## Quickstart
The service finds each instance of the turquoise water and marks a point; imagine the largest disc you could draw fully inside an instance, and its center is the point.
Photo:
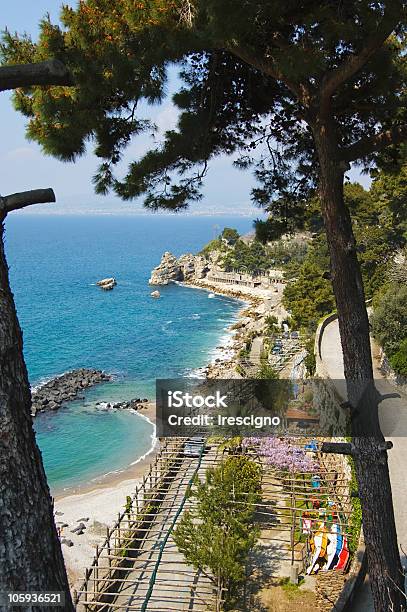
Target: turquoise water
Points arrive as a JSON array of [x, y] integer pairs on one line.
[[68, 322]]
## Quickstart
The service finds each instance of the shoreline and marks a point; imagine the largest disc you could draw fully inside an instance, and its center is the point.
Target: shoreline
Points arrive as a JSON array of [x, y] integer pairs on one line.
[[228, 351], [147, 412], [96, 505], [117, 476], [259, 303], [100, 500]]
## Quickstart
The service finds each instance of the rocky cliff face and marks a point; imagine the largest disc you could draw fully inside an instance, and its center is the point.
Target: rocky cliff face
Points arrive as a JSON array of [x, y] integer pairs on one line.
[[186, 268], [168, 271]]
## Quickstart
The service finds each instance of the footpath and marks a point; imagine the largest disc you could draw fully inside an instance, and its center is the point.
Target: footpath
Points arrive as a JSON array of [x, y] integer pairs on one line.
[[393, 418]]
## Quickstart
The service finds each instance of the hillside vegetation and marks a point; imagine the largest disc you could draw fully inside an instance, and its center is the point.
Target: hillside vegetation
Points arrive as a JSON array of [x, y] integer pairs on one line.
[[380, 226]]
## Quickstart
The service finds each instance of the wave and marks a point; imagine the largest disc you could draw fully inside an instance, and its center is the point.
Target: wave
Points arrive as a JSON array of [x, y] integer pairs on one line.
[[194, 372], [165, 326]]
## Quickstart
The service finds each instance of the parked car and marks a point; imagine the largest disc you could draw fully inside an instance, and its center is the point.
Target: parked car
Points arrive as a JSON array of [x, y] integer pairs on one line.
[[295, 335], [277, 350], [193, 447], [286, 335]]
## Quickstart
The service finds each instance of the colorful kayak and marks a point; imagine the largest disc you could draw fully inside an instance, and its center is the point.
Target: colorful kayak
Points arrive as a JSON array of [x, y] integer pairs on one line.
[[343, 555], [318, 545], [332, 548], [339, 542]]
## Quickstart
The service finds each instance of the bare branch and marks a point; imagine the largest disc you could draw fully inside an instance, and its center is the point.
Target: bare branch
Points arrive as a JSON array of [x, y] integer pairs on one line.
[[15, 201], [335, 78], [50, 72], [371, 144]]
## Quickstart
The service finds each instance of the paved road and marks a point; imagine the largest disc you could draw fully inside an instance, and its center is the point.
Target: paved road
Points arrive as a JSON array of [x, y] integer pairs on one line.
[[393, 418]]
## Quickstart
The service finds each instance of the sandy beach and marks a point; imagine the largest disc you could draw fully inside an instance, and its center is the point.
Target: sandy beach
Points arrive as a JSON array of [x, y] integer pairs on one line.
[[99, 503]]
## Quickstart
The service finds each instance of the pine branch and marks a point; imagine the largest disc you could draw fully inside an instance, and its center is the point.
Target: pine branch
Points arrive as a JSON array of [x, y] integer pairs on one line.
[[335, 78], [16, 201], [50, 72], [268, 66], [371, 144]]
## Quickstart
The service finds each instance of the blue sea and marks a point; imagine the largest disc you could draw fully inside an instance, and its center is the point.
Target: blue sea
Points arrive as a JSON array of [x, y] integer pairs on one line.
[[68, 322]]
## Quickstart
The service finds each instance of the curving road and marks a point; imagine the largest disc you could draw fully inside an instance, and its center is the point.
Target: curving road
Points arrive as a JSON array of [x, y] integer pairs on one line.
[[393, 418]]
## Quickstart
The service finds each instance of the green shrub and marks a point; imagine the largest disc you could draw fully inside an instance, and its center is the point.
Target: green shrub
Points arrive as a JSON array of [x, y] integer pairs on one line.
[[213, 245], [398, 361], [266, 371], [218, 532], [389, 320], [310, 361]]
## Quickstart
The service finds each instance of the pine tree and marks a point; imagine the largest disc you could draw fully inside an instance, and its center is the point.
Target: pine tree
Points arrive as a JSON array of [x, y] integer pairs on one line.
[[30, 552], [298, 90], [30, 555]]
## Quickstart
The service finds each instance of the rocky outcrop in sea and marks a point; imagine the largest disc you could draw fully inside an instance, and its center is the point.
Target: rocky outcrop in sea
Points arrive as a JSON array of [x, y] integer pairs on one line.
[[185, 268], [133, 404], [65, 388]]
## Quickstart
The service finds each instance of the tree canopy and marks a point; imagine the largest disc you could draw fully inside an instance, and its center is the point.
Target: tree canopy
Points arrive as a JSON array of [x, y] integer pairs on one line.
[[253, 75], [218, 533], [379, 225]]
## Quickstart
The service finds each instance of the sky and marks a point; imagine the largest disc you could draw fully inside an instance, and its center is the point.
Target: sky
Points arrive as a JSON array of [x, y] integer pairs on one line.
[[23, 165]]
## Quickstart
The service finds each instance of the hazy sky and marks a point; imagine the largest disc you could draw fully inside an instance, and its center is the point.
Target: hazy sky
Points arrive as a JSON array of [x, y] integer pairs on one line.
[[23, 166]]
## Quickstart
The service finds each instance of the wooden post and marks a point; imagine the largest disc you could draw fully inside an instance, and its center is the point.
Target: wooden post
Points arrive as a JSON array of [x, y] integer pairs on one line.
[[109, 561], [136, 500], [96, 572], [87, 574], [118, 530], [294, 574]]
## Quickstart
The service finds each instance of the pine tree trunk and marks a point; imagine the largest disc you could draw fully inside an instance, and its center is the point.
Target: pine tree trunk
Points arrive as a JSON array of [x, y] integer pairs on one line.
[[386, 575], [30, 552]]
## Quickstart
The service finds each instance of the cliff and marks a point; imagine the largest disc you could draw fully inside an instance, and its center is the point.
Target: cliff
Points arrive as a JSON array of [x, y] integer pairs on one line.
[[186, 268]]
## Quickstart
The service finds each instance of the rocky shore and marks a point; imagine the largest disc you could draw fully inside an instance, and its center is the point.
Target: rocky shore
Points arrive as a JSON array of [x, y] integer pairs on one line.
[[196, 271], [133, 404], [53, 394]]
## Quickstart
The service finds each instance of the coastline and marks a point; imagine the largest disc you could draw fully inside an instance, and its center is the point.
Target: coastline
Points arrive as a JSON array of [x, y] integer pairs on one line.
[[117, 476], [100, 500], [258, 304]]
